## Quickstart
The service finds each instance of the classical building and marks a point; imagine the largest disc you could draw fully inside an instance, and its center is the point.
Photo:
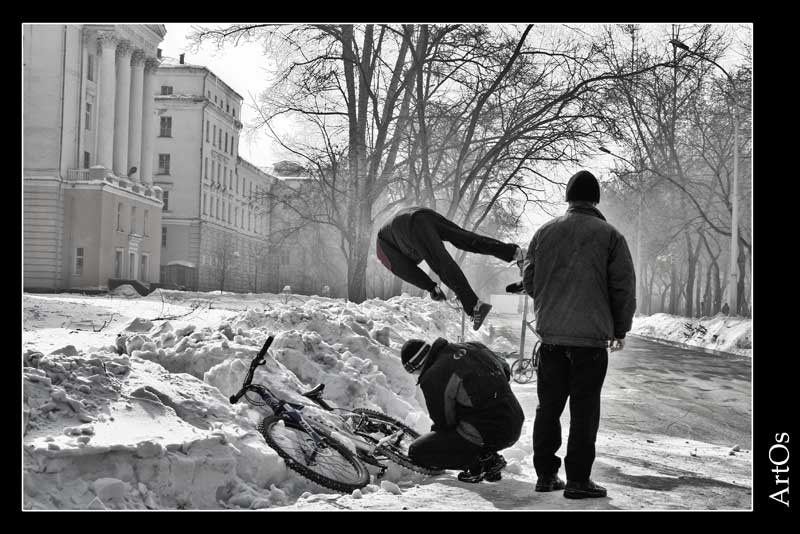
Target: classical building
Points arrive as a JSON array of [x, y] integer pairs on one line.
[[91, 211], [213, 225]]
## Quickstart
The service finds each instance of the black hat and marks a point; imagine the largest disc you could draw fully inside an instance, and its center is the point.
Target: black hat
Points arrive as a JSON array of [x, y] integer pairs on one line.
[[413, 354], [583, 186]]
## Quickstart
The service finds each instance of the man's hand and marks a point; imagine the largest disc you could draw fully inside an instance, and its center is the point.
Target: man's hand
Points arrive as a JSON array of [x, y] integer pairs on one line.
[[616, 344], [438, 294]]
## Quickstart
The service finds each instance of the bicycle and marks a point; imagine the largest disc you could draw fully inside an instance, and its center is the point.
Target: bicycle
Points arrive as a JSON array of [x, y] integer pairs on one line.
[[309, 446], [524, 369]]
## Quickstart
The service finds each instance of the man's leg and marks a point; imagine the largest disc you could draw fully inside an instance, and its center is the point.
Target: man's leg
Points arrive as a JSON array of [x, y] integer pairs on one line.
[[436, 256], [588, 372], [444, 449], [472, 242], [552, 388]]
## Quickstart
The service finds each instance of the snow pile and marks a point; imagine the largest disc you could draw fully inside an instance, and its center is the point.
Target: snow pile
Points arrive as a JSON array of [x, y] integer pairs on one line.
[[125, 290], [137, 416], [720, 332]]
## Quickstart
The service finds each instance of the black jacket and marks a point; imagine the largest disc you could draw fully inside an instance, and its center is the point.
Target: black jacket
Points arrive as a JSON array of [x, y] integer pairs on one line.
[[580, 274], [397, 248], [466, 386]]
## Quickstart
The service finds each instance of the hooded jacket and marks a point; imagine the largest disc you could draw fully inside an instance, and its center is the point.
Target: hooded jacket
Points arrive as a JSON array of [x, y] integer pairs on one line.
[[580, 274], [466, 386]]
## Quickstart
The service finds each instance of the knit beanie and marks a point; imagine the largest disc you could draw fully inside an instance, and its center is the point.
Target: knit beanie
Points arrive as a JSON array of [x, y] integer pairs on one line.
[[583, 186], [413, 354]]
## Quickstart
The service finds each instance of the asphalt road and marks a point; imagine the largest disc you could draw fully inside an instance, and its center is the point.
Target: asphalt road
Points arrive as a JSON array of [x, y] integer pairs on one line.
[[665, 390]]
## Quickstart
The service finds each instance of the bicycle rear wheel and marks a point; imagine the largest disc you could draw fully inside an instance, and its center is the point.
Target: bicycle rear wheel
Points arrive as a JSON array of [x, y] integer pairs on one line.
[[522, 371], [334, 466], [377, 425]]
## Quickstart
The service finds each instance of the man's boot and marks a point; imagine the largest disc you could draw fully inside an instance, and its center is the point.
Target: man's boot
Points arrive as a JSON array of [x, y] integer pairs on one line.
[[550, 483], [583, 490]]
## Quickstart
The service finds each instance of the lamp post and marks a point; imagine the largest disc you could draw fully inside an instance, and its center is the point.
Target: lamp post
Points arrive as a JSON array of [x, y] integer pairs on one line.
[[734, 269]]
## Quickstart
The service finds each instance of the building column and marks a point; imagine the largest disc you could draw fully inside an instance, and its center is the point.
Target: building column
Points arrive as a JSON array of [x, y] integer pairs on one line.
[[106, 95], [148, 120], [122, 108], [135, 131]]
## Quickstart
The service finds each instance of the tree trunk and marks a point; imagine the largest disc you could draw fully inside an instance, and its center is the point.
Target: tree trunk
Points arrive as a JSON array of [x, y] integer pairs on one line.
[[698, 306], [741, 299], [650, 290], [664, 296], [707, 294], [675, 290]]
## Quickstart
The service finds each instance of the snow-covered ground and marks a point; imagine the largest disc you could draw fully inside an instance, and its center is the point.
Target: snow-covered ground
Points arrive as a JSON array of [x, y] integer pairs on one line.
[[125, 405], [721, 333]]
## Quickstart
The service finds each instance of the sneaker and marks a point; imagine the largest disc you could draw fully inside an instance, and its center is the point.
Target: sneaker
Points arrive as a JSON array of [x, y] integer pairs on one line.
[[479, 314], [472, 474], [492, 464], [550, 483], [583, 490]]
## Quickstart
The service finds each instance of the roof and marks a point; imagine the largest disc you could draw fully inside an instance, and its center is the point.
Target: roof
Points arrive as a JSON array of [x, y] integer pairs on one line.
[[174, 63]]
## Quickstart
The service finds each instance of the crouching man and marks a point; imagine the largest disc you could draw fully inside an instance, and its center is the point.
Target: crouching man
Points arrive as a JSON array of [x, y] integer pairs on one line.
[[474, 412]]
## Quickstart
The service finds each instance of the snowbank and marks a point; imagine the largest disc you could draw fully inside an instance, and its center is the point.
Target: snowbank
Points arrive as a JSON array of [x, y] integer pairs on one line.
[[132, 413], [720, 332]]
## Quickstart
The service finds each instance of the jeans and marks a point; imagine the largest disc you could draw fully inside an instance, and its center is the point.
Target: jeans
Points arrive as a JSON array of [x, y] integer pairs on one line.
[[576, 373], [444, 449], [432, 229]]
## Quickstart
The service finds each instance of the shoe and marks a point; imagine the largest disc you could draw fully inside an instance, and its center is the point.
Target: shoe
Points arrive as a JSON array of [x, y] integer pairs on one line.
[[492, 464], [515, 288], [479, 314], [550, 483], [472, 474], [583, 490]]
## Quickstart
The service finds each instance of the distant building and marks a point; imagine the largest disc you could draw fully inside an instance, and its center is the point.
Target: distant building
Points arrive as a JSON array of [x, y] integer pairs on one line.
[[91, 211], [213, 227]]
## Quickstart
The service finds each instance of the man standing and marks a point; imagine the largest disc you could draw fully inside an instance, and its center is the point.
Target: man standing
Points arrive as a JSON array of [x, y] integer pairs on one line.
[[415, 234], [474, 412], [580, 274]]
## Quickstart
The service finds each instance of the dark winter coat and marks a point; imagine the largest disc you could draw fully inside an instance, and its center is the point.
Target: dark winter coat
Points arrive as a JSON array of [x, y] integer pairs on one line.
[[397, 248], [580, 274], [466, 386]]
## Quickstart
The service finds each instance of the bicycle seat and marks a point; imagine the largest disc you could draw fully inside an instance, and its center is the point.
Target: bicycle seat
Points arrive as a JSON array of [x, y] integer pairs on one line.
[[315, 391]]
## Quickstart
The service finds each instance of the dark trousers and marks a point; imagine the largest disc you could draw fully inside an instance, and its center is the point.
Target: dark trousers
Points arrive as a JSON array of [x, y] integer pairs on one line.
[[576, 373], [444, 449], [431, 229]]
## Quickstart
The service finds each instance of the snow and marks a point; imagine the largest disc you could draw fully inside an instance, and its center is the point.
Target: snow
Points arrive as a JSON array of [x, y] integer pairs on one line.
[[125, 402], [721, 333]]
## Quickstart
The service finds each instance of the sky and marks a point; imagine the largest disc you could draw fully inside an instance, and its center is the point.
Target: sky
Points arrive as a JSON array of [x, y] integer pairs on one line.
[[243, 68]]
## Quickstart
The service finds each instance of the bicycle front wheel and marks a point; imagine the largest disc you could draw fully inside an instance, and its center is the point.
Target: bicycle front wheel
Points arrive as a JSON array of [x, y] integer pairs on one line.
[[376, 425], [331, 465], [522, 371]]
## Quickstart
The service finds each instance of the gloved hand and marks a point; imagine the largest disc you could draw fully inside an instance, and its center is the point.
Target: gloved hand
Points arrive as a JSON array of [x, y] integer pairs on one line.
[[516, 287], [616, 344], [438, 294]]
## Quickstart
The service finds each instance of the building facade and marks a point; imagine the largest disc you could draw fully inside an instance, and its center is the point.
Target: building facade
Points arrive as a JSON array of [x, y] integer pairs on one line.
[[213, 225], [91, 211]]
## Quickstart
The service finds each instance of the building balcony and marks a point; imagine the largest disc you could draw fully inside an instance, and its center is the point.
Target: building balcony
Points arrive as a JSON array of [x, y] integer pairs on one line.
[[98, 174]]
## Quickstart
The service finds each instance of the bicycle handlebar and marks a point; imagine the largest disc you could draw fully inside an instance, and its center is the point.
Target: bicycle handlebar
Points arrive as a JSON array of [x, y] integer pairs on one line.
[[258, 360]]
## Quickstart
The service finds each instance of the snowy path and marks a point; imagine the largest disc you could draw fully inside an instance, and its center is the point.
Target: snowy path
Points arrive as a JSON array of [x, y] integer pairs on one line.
[[664, 448]]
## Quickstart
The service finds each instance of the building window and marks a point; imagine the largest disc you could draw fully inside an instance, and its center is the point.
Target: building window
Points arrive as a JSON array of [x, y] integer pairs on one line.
[[236, 217], [209, 95], [145, 226], [205, 204], [227, 107], [88, 117], [118, 263], [166, 127], [214, 136], [219, 140], [226, 142], [229, 212], [216, 210], [119, 217], [87, 159], [215, 99], [133, 220], [163, 164], [163, 236], [207, 128], [206, 169], [79, 261], [143, 267], [237, 184], [225, 175], [166, 89], [166, 200], [234, 113], [232, 153], [90, 68], [132, 266]]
